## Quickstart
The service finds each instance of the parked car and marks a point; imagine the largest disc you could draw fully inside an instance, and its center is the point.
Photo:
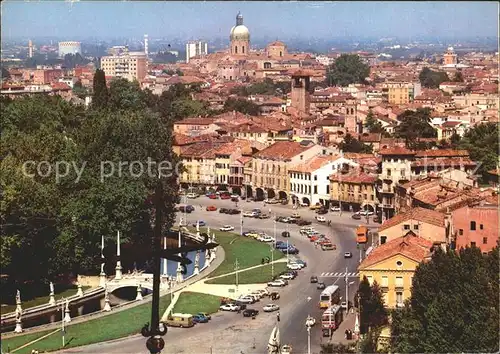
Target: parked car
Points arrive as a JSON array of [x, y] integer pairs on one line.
[[199, 222], [366, 213], [314, 279], [235, 199], [211, 208], [225, 196], [320, 285], [327, 247], [248, 214], [322, 211], [294, 266], [347, 255], [315, 206], [274, 295], [295, 262], [264, 216], [263, 292], [300, 262], [304, 204], [212, 196], [192, 195], [320, 218], [291, 250], [229, 307], [200, 319], [270, 308], [356, 216], [247, 299], [286, 349], [285, 234], [206, 314], [277, 283], [271, 201], [335, 208], [266, 238], [186, 208], [295, 216], [234, 211], [376, 219], [227, 228], [343, 305], [223, 210], [287, 276], [250, 313]]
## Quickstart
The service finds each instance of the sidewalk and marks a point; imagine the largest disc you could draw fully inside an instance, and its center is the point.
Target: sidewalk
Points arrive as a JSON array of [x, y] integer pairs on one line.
[[348, 323]]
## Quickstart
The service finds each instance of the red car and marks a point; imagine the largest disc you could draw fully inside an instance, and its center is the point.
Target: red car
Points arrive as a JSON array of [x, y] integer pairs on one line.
[[211, 208], [212, 196], [225, 196]]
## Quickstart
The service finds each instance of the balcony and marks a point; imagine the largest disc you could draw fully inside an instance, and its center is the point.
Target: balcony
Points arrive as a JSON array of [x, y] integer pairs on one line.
[[399, 287], [387, 206], [385, 177], [384, 288], [400, 305]]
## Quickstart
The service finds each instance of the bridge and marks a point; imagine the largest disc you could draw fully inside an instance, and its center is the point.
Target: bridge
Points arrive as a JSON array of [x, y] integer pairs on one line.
[[32, 316]]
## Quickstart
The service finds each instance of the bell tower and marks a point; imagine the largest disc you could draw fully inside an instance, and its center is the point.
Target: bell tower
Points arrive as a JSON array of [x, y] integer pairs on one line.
[[351, 122], [301, 99], [240, 38]]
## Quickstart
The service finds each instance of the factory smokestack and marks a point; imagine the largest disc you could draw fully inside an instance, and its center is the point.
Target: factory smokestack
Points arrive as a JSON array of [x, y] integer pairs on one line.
[[30, 49], [146, 48]]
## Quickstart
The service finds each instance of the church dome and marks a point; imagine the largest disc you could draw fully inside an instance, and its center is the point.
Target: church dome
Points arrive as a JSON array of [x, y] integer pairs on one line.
[[240, 31]]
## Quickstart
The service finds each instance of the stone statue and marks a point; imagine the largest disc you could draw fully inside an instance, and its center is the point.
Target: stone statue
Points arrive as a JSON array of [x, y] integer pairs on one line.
[[51, 288], [18, 315], [197, 259], [18, 297], [102, 268]]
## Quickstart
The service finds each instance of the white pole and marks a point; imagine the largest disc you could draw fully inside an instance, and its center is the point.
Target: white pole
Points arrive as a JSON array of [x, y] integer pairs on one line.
[[236, 268], [346, 289], [339, 188], [62, 323], [241, 224], [164, 259], [308, 340]]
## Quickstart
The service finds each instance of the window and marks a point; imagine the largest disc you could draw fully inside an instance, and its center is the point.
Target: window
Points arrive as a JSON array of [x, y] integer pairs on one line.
[[389, 172], [370, 279], [406, 227], [473, 226], [473, 244], [327, 189], [461, 232], [399, 298], [236, 50], [383, 239], [485, 240], [385, 282], [315, 189], [399, 282], [480, 226], [315, 177], [415, 227], [399, 263], [243, 49]]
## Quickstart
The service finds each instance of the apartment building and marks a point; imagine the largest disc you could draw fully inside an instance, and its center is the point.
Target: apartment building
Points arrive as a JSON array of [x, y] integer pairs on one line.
[[402, 92], [393, 264], [270, 176], [354, 190], [196, 49], [129, 65], [309, 180]]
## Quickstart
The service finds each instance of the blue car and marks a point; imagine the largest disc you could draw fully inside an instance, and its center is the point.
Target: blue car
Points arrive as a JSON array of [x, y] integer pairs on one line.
[[281, 246], [200, 222], [300, 261], [200, 319]]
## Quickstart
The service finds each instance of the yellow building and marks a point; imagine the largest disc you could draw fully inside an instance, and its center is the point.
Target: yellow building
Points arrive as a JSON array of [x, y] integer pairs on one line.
[[356, 189], [392, 265], [402, 92], [198, 161]]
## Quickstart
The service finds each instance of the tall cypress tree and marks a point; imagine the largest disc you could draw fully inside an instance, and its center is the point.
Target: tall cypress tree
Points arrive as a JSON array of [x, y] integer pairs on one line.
[[101, 94]]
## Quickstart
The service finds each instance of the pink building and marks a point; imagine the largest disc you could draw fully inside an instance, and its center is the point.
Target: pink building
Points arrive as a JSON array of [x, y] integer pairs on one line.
[[477, 225]]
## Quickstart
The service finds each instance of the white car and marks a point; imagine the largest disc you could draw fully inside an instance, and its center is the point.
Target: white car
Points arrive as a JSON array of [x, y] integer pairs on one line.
[[263, 292], [294, 263], [294, 266], [257, 295], [235, 196], [192, 195], [335, 208], [247, 299], [227, 228], [287, 276], [286, 349], [248, 214], [310, 321], [271, 308], [320, 218], [304, 204], [366, 213], [277, 282], [347, 255], [343, 304], [229, 307], [266, 238]]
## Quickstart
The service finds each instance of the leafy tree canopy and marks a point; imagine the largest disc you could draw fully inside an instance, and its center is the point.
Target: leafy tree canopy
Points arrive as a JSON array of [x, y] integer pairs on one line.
[[351, 144], [374, 126], [241, 105], [415, 125], [347, 69], [453, 307], [432, 79]]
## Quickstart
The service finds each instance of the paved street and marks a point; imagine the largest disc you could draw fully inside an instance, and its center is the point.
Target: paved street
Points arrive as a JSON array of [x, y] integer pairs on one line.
[[231, 333]]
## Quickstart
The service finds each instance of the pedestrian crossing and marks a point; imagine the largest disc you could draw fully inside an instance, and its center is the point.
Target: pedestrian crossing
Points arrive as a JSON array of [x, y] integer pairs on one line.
[[339, 275]]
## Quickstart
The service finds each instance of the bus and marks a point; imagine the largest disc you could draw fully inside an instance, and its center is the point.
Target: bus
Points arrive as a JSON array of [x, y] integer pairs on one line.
[[361, 233], [332, 318], [329, 296]]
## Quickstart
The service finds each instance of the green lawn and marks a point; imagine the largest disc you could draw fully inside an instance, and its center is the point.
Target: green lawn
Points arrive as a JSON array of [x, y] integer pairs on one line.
[[193, 303], [247, 250], [252, 276], [113, 326], [42, 300]]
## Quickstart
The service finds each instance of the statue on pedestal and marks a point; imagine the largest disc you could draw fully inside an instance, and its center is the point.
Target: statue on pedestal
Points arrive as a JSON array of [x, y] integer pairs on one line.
[[197, 263], [19, 325], [52, 300], [51, 288]]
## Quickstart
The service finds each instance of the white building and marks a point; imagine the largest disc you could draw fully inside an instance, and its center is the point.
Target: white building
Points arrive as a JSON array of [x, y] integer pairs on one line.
[[129, 65], [70, 47], [196, 48], [309, 181]]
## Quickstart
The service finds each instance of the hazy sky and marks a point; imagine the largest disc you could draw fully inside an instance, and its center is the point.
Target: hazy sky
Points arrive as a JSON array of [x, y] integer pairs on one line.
[[273, 19]]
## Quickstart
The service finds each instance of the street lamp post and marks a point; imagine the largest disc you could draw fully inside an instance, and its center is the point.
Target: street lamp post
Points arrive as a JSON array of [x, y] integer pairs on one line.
[[308, 339]]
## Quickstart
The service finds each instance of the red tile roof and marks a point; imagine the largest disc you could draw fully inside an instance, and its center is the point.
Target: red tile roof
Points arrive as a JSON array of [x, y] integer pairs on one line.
[[443, 162], [427, 216], [441, 153], [396, 150], [354, 177], [410, 246], [282, 150], [196, 121], [313, 164], [60, 86]]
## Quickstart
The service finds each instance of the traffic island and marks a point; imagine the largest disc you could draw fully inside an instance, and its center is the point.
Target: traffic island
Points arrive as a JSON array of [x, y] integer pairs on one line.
[[193, 303]]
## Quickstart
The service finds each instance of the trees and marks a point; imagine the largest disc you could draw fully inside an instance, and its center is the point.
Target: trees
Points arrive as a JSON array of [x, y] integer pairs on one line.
[[458, 77], [72, 60], [373, 314], [482, 144], [101, 94], [347, 69], [415, 125], [336, 348], [374, 126], [243, 106], [177, 103], [351, 144], [432, 79], [453, 306], [5, 73]]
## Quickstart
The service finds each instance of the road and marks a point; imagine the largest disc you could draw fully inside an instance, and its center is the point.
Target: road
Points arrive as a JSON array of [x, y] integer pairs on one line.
[[231, 333]]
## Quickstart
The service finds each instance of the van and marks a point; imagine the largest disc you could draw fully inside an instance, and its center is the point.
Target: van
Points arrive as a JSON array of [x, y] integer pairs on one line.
[[327, 247], [182, 320]]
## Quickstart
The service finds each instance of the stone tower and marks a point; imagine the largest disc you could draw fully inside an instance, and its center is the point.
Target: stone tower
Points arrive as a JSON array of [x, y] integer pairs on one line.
[[300, 91], [351, 122]]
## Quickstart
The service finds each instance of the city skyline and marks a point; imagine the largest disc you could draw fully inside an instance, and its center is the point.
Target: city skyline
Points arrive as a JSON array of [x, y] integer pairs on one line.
[[275, 20]]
